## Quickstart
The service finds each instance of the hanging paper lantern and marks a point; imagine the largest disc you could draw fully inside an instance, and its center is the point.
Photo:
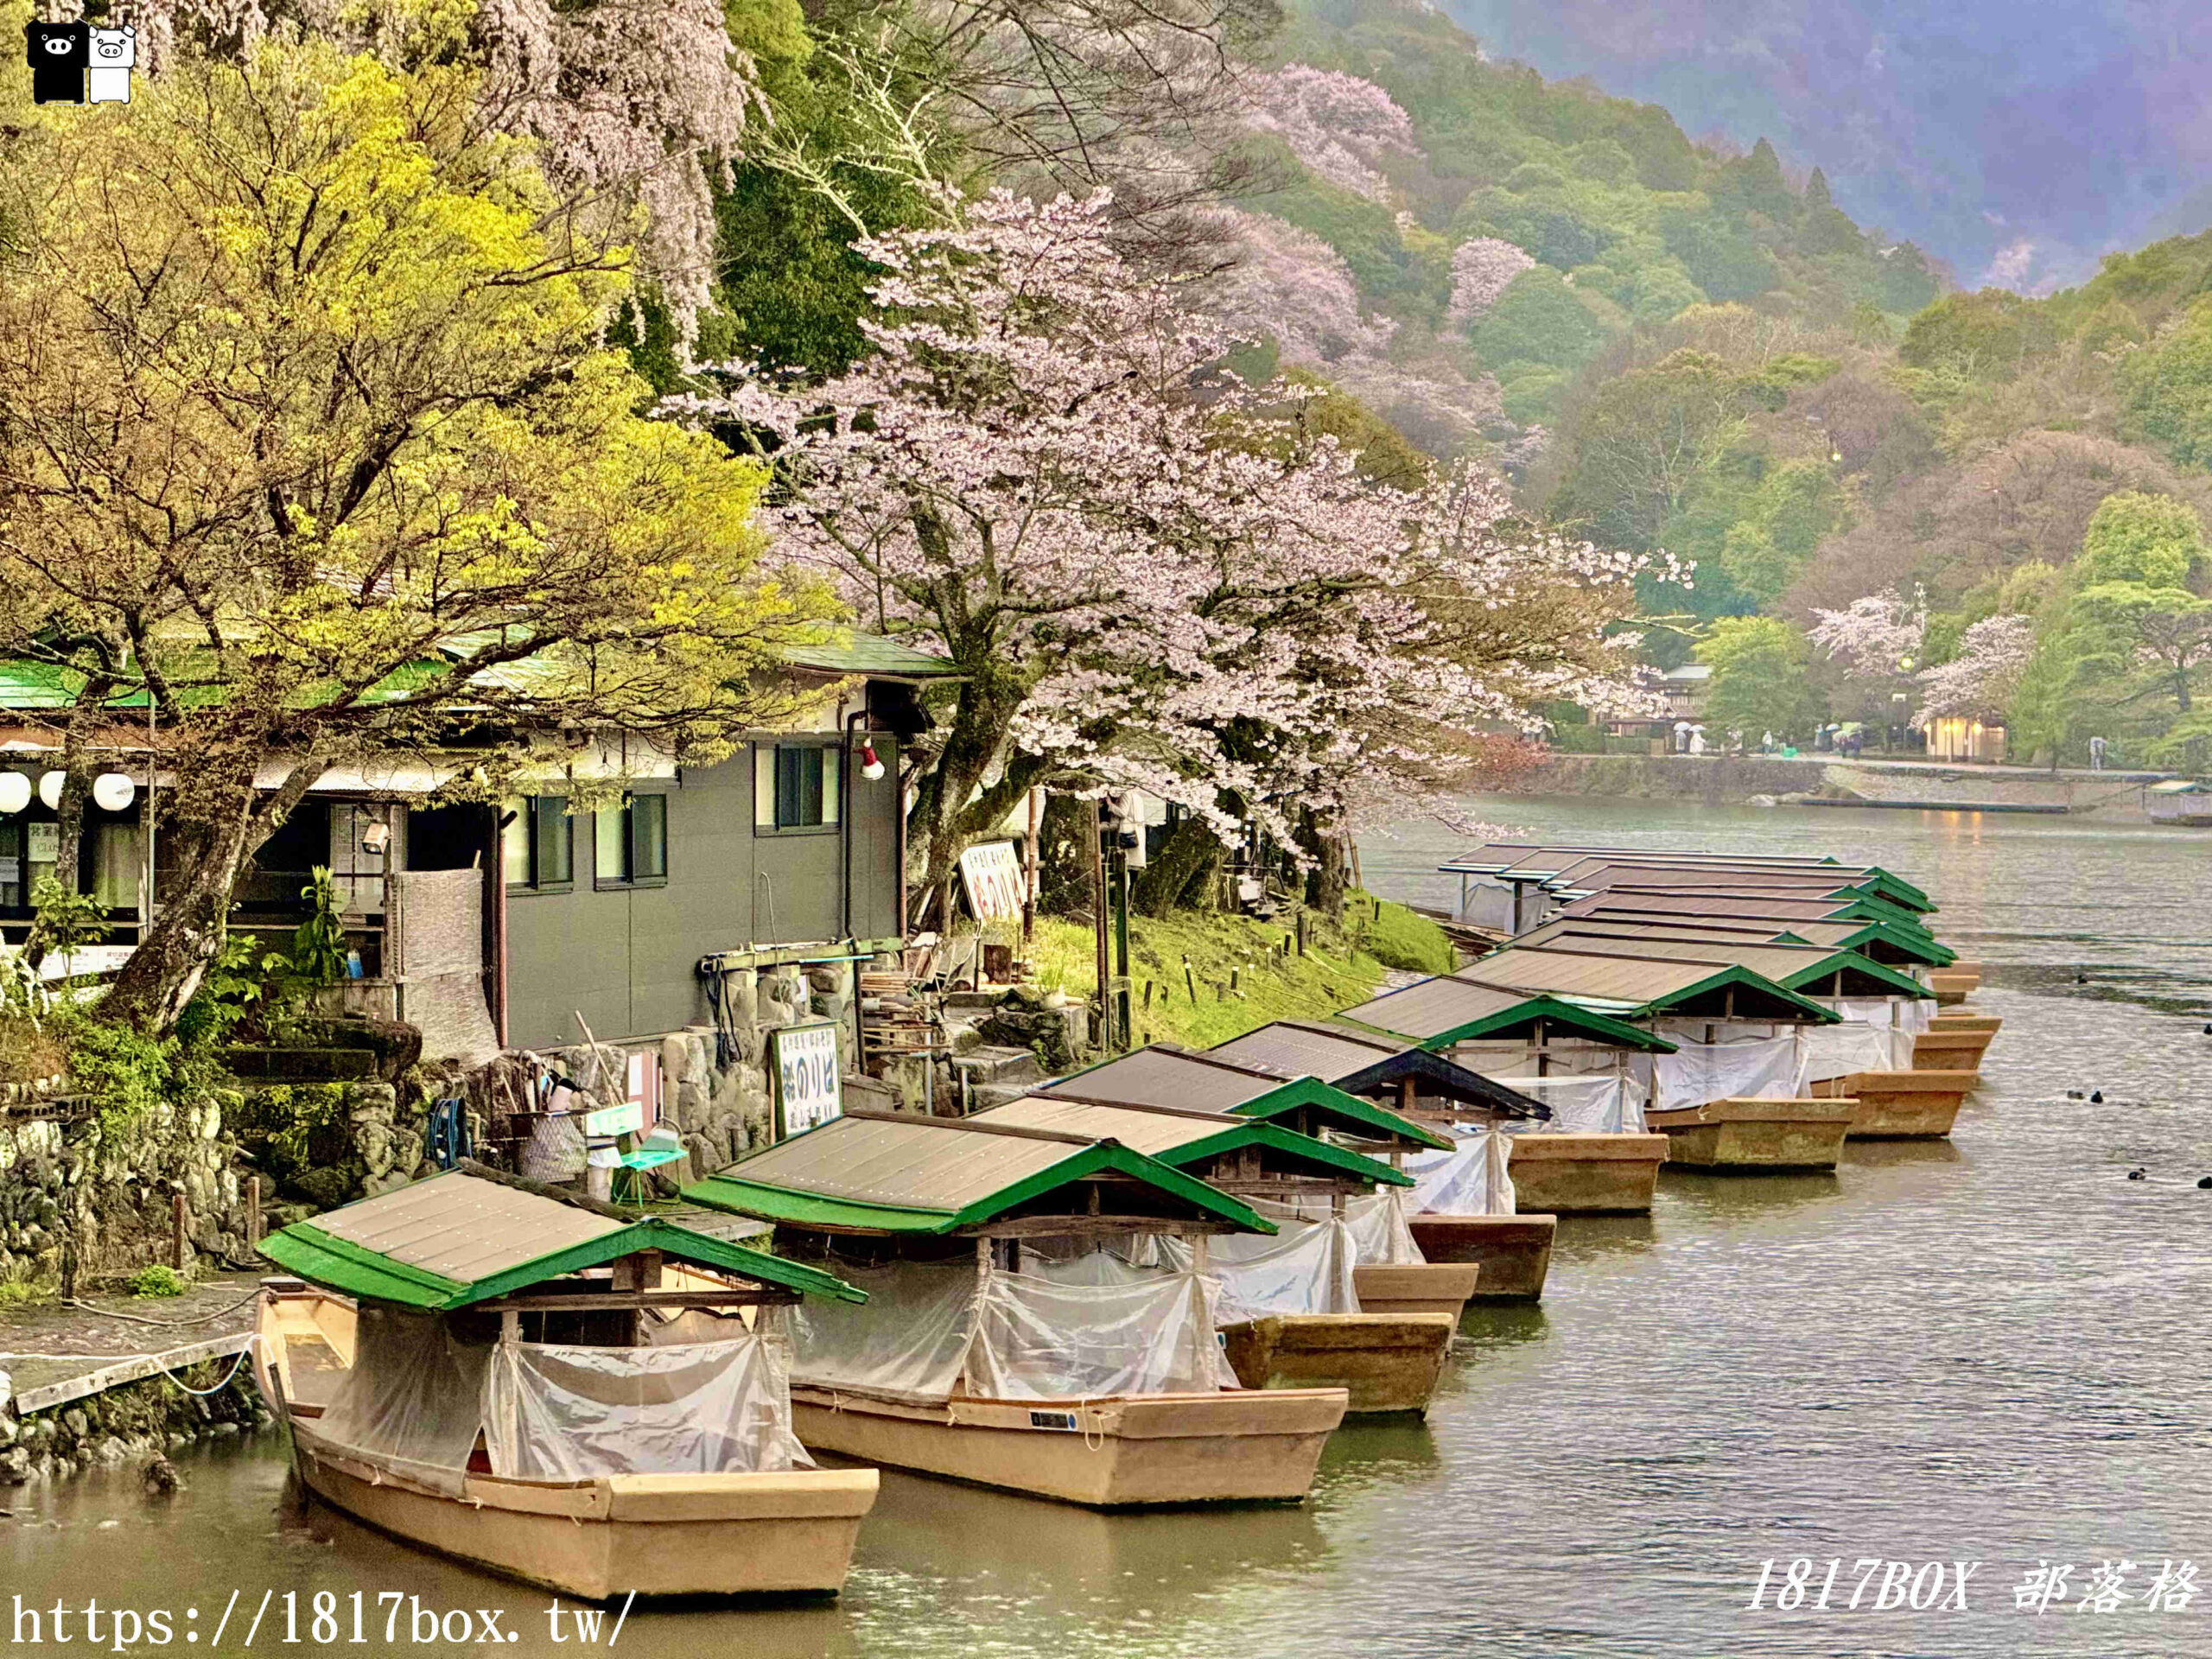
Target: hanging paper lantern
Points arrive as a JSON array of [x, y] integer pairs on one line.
[[112, 791], [15, 792], [49, 788]]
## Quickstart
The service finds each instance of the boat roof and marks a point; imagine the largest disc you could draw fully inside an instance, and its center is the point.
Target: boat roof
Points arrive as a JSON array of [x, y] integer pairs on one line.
[[461, 1238], [1792, 967], [1451, 1009], [1183, 1139], [1161, 1074], [902, 1173], [1515, 862], [1698, 900], [1870, 938], [1636, 985], [1359, 1062]]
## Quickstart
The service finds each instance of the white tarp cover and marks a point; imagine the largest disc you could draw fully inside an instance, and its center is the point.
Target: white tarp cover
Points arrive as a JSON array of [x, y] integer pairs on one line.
[[414, 1395], [1305, 1269], [1744, 1068], [1560, 1060], [1473, 1178], [1375, 1223], [1088, 1327], [1606, 1105], [1855, 1045], [556, 1412]]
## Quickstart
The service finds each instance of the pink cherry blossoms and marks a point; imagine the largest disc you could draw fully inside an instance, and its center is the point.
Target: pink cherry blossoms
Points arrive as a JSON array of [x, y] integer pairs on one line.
[[1148, 577], [1483, 268], [1875, 636], [1337, 124], [1979, 682], [1294, 288]]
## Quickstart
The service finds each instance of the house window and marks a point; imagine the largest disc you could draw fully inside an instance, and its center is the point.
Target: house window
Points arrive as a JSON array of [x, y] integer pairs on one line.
[[536, 845], [630, 844], [794, 788]]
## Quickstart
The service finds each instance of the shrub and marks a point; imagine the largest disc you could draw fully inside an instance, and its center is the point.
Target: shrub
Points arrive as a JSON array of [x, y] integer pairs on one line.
[[158, 1281]]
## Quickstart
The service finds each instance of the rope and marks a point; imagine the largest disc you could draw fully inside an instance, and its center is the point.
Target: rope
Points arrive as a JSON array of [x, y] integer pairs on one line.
[[237, 1365], [140, 1319]]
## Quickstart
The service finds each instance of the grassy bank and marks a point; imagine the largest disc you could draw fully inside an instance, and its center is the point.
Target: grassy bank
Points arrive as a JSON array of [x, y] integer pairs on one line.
[[1241, 975]]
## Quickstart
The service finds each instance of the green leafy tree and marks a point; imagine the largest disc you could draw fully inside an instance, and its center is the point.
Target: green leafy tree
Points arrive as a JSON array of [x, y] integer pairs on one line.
[[2167, 390], [341, 459], [1759, 683]]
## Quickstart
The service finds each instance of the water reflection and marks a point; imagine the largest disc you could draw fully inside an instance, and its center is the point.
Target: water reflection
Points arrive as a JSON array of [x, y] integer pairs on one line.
[[1977, 1349]]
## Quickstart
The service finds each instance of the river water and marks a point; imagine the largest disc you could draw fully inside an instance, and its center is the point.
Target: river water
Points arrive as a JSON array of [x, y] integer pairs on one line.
[[1991, 1350]]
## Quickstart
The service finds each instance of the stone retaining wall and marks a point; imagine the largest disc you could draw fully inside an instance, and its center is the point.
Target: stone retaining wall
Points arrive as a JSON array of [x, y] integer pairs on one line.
[[64, 1179], [138, 1420]]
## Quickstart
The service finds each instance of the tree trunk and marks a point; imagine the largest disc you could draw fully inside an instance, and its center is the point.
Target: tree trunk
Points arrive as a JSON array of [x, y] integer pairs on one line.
[[1326, 875], [1177, 875], [1062, 872], [164, 973]]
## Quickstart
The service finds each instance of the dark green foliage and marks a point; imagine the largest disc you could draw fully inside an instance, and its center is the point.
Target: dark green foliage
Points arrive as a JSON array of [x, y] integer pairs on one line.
[[1991, 335], [1538, 321]]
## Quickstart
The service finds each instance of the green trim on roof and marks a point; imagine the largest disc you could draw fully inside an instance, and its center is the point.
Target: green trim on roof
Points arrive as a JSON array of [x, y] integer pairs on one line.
[[1290, 1144], [868, 653], [1354, 1115], [317, 1257], [769, 1202], [1732, 974], [1851, 961], [1601, 1026], [308, 1251]]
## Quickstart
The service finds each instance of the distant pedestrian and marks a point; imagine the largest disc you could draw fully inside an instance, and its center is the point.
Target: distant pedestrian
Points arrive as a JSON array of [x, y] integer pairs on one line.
[[2096, 754], [1766, 744]]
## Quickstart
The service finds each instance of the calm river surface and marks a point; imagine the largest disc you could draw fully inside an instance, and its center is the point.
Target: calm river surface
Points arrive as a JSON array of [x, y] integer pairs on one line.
[[1991, 1350]]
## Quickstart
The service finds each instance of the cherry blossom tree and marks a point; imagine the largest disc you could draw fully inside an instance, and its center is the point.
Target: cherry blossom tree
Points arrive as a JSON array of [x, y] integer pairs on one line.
[[1290, 285], [1978, 684], [1483, 268], [1876, 636], [630, 103], [1145, 576], [1341, 127]]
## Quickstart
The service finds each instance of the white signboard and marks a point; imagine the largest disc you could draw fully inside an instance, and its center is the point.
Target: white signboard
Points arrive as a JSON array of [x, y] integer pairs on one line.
[[807, 1092], [45, 842], [992, 876]]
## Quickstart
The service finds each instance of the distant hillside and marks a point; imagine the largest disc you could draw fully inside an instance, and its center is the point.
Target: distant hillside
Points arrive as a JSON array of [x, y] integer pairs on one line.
[[1457, 239]]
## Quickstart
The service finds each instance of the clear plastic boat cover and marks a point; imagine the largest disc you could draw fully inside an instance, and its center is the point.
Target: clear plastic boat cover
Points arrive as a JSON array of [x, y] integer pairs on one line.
[[562, 1413], [1473, 1178], [415, 1395], [1611, 1104], [418, 1396], [1087, 1326], [1305, 1269]]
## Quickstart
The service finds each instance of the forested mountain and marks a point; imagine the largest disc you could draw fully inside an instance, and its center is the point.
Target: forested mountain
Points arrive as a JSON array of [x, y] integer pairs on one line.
[[1670, 347], [1474, 235]]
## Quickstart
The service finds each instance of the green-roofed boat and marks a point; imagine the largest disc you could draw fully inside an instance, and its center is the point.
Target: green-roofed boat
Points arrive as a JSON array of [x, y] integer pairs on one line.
[[553, 1391], [1311, 1326], [999, 1345]]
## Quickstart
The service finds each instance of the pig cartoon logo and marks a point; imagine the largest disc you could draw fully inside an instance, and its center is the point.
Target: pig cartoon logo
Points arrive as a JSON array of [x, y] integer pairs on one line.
[[59, 54], [114, 52]]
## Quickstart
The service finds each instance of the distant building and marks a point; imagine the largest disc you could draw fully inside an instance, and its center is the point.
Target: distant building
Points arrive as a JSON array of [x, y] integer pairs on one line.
[[1954, 737]]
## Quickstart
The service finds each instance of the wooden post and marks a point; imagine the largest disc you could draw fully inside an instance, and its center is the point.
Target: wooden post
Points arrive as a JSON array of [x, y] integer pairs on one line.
[[252, 1211], [1029, 875], [1408, 1093], [1099, 927], [176, 1231], [1189, 979], [1301, 932]]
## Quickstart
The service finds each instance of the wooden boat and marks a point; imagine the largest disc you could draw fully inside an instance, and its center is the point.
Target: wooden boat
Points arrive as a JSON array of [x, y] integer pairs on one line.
[[1955, 1042], [1416, 1287], [1387, 1363], [1587, 1174], [933, 1187], [1133, 1451], [595, 1537], [1513, 1252], [1388, 1359], [1755, 1135], [1953, 988], [1900, 1105]]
